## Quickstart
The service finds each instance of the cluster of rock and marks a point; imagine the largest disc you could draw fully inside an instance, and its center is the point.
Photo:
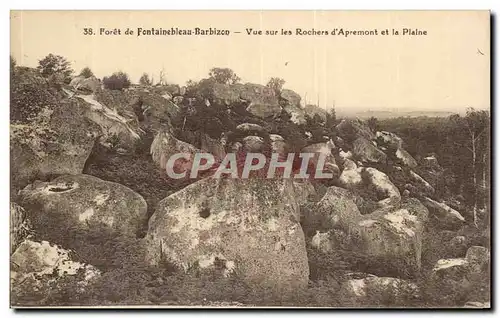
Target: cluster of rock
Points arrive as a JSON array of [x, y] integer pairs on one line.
[[255, 229]]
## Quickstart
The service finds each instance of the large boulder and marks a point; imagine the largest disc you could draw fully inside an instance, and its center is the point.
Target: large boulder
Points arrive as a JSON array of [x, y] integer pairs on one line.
[[89, 84], [38, 267], [366, 151], [423, 187], [352, 129], [405, 158], [313, 110], [262, 100], [389, 140], [165, 145], [19, 226], [59, 143], [297, 114], [82, 202], [225, 94], [373, 290], [290, 97], [323, 148], [448, 217], [245, 226], [121, 129], [391, 236]]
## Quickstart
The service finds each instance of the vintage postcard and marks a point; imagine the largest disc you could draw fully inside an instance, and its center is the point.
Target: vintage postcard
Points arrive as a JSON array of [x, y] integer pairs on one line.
[[334, 159]]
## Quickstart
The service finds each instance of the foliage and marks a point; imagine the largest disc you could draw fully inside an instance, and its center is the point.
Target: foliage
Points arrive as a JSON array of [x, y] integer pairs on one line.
[[224, 75], [145, 80], [52, 64], [118, 81], [372, 123], [276, 84], [86, 72]]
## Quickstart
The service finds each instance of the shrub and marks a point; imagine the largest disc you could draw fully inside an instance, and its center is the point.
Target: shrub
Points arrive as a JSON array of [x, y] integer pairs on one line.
[[145, 80], [224, 75], [117, 81]]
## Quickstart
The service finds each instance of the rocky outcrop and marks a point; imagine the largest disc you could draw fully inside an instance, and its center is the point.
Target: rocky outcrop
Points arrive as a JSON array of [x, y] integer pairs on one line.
[[38, 267], [313, 110], [59, 143], [405, 158], [352, 129], [165, 145], [448, 217], [365, 151], [290, 97], [389, 140], [248, 226], [392, 234], [20, 227], [373, 290], [323, 148], [262, 100], [83, 202], [476, 261], [90, 84]]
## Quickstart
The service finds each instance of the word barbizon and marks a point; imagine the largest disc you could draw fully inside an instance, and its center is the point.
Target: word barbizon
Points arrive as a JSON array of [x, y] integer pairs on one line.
[[178, 31], [252, 162]]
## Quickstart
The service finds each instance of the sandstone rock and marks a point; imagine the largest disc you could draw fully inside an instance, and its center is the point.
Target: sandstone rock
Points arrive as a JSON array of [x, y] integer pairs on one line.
[[278, 144], [313, 110], [455, 269], [37, 267], [80, 202], [423, 187], [321, 242], [448, 216], [58, 145], [290, 97], [303, 190], [373, 289], [352, 129], [384, 186], [324, 148], [477, 304], [478, 257], [297, 114], [19, 226], [225, 94], [253, 143], [90, 84], [405, 158], [262, 100], [165, 145], [123, 128], [212, 146], [250, 129], [389, 140], [367, 152], [394, 235], [250, 226]]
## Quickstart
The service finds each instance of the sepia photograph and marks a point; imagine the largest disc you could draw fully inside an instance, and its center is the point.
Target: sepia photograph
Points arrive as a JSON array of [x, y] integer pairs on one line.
[[250, 159]]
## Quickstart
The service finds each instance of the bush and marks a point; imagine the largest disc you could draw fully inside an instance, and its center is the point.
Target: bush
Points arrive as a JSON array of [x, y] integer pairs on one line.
[[117, 81], [86, 72]]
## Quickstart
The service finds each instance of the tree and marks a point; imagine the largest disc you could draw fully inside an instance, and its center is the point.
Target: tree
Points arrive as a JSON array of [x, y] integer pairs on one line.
[[86, 72], [144, 80], [224, 75], [331, 121], [52, 64], [118, 81], [12, 65], [276, 84]]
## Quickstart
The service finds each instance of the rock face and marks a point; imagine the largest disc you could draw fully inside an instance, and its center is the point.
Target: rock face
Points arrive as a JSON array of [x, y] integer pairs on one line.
[[90, 84], [291, 105], [120, 129], [165, 145], [37, 267], [324, 148], [59, 144], [374, 289], [313, 110], [290, 97], [392, 234], [449, 217], [352, 129], [262, 100], [83, 201], [405, 158], [389, 140], [250, 227], [475, 261], [367, 152], [19, 226]]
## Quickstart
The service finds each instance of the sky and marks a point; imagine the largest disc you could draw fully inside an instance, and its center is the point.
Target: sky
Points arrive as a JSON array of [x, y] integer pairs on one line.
[[448, 69]]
